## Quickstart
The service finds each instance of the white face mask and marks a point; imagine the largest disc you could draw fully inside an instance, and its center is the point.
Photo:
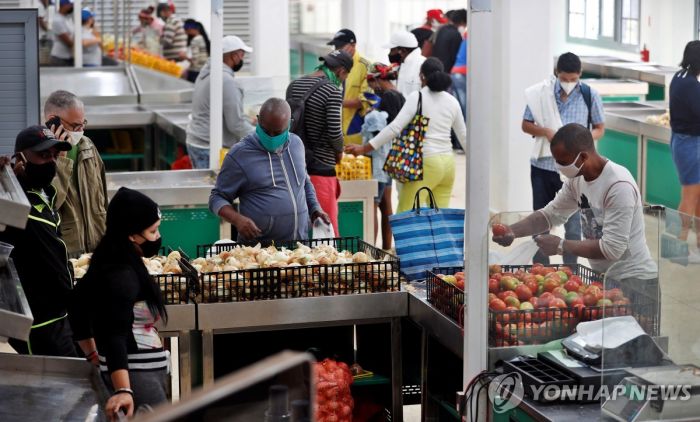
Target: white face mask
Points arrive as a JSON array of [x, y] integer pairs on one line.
[[568, 86], [75, 137], [571, 170]]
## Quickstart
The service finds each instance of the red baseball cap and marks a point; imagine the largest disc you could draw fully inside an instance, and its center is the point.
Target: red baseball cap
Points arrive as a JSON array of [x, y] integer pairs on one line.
[[437, 15]]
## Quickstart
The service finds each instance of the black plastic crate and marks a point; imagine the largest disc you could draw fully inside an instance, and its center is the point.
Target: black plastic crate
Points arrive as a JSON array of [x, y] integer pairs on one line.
[[178, 288], [536, 374], [302, 280], [446, 297]]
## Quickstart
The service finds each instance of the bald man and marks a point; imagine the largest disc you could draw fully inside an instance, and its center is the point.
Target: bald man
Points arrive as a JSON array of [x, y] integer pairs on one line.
[[266, 171]]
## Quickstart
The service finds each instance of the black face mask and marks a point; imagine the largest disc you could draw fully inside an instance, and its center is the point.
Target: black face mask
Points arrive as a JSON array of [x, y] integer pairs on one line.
[[237, 67], [395, 58], [38, 176], [150, 248]]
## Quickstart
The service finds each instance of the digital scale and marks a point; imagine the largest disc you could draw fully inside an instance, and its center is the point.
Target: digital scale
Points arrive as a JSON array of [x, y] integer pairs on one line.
[[635, 405]]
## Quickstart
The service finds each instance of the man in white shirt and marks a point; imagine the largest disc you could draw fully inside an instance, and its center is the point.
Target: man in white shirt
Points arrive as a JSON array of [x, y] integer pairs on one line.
[[612, 219], [404, 51], [63, 31]]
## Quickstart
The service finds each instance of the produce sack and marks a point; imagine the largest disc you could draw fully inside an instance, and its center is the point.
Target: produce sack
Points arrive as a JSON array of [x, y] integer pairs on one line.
[[405, 160], [428, 237], [333, 398]]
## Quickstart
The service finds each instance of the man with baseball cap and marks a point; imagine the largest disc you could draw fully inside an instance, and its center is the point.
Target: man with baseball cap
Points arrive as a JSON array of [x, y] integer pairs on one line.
[[236, 124], [63, 32], [355, 106], [320, 125], [404, 51], [39, 253], [434, 18]]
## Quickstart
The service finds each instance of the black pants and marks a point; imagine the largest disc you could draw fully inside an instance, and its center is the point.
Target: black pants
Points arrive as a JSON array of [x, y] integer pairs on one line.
[[55, 339], [545, 185]]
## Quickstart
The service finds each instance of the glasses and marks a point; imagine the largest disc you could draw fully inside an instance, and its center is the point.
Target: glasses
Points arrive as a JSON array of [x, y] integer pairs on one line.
[[74, 127]]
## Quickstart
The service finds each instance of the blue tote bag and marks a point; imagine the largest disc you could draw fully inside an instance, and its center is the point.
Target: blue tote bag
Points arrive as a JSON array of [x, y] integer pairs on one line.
[[428, 237]]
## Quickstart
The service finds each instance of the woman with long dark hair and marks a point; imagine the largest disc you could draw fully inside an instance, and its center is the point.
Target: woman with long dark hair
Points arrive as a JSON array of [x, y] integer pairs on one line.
[[117, 303], [199, 45], [444, 114]]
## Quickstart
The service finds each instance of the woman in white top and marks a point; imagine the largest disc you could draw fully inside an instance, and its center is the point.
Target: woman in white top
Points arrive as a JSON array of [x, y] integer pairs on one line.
[[444, 115]]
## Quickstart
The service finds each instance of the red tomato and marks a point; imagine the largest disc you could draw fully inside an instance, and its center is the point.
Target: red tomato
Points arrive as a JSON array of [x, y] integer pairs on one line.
[[558, 303], [512, 301], [523, 292], [494, 285], [595, 291], [534, 300], [589, 299], [551, 284], [504, 294], [571, 286], [497, 305], [544, 300], [560, 292], [499, 229], [491, 297], [614, 294]]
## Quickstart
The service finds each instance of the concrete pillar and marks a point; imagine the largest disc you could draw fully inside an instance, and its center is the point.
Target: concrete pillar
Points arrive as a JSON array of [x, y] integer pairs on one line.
[[522, 56], [271, 47], [200, 11]]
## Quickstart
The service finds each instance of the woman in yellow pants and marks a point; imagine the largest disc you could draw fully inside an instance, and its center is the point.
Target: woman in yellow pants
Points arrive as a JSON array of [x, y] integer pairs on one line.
[[445, 115]]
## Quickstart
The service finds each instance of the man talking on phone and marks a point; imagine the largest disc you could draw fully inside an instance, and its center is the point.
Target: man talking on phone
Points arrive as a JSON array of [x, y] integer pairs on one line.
[[39, 253], [80, 182]]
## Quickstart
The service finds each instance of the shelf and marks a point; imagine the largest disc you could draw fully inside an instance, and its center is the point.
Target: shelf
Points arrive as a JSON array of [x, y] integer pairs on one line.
[[370, 381]]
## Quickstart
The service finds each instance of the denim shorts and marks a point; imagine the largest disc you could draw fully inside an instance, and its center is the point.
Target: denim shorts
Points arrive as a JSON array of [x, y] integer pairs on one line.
[[381, 187], [685, 150]]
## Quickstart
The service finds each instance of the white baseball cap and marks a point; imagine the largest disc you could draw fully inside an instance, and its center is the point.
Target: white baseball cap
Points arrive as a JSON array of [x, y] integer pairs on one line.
[[402, 39], [232, 43]]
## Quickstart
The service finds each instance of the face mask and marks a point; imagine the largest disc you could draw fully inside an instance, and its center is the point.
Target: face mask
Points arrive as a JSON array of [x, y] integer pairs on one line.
[[395, 58], [39, 176], [237, 67], [271, 143], [75, 137], [568, 86], [571, 170], [150, 248]]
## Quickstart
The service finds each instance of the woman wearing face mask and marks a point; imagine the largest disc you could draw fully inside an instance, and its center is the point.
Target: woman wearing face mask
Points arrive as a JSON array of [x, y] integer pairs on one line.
[[117, 303], [444, 114], [199, 46]]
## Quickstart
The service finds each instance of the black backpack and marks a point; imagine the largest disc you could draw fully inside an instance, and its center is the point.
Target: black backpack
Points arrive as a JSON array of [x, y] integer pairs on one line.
[[586, 93]]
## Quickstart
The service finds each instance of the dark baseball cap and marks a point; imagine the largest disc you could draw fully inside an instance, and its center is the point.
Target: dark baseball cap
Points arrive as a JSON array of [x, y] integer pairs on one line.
[[337, 58], [342, 37], [39, 138]]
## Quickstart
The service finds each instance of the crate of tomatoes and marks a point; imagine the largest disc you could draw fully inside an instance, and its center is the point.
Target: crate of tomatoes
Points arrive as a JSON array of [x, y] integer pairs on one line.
[[533, 304], [446, 291]]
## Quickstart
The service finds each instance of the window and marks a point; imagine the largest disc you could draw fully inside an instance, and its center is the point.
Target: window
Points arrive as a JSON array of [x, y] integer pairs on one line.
[[605, 23]]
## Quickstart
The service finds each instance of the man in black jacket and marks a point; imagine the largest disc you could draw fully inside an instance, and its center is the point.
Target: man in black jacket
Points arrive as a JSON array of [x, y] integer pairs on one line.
[[449, 37], [39, 254]]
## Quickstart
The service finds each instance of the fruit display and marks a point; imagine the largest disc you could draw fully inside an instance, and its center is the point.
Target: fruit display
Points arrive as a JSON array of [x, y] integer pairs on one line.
[[241, 272], [446, 292], [660, 120], [166, 271], [354, 168], [141, 57], [333, 398], [536, 304]]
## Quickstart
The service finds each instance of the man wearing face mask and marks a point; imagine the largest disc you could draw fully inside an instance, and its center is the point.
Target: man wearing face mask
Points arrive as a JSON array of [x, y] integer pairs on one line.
[[80, 181], [236, 124], [319, 127], [404, 51], [557, 101], [266, 171], [612, 216], [39, 253]]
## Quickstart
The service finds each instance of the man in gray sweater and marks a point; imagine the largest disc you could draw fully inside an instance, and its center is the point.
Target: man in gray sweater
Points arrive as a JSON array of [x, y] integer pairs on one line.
[[236, 124]]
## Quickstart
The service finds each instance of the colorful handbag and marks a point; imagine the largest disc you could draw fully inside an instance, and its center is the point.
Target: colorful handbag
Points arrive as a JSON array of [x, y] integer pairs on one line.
[[405, 160]]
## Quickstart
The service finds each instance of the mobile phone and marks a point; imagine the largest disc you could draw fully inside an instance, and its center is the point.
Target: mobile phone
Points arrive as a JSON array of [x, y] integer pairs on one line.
[[19, 158], [54, 121]]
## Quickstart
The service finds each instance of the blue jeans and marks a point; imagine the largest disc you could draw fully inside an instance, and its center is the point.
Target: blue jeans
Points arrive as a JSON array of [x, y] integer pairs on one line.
[[459, 90], [198, 156], [545, 185]]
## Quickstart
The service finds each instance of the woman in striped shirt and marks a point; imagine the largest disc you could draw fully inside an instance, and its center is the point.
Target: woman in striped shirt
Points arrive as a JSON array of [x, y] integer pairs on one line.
[[117, 304]]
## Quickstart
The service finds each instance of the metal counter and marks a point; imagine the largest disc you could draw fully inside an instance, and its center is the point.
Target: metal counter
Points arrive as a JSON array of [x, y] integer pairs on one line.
[[613, 67], [182, 319], [167, 188], [312, 312], [93, 85], [41, 388], [158, 88]]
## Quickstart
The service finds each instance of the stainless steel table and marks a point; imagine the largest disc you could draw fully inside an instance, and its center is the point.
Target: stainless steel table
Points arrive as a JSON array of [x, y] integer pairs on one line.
[[312, 312], [181, 321]]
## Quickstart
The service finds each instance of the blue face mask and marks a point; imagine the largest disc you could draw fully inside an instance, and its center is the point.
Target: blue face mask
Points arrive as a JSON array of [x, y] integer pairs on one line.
[[271, 143]]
